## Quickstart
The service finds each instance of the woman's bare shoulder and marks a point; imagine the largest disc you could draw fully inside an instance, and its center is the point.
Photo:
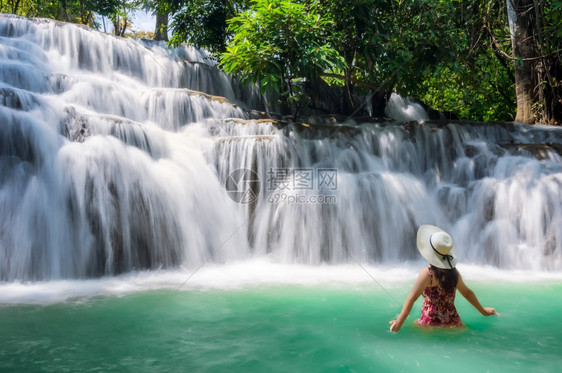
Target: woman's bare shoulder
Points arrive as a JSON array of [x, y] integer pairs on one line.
[[425, 276]]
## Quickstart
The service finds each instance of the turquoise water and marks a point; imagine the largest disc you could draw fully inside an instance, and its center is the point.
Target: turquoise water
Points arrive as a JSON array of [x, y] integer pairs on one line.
[[281, 328]]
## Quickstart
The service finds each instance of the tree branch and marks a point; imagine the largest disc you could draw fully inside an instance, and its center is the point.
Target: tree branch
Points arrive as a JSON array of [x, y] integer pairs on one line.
[[354, 80], [506, 55]]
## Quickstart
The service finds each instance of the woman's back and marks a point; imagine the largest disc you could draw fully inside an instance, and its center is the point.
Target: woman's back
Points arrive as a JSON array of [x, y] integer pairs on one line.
[[438, 307]]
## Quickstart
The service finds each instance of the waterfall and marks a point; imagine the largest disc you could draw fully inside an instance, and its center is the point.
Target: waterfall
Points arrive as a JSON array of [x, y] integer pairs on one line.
[[118, 155], [98, 173], [404, 109]]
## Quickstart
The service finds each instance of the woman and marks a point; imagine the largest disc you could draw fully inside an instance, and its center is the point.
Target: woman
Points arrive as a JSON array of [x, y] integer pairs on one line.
[[438, 283]]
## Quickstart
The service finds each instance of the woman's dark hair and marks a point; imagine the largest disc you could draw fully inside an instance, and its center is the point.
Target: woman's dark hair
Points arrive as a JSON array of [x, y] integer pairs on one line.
[[447, 278]]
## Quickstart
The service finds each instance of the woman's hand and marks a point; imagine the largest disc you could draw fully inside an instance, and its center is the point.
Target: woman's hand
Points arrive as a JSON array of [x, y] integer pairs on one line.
[[395, 325], [489, 311]]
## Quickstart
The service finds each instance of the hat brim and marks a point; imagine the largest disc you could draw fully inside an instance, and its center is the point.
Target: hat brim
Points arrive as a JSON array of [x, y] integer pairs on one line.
[[425, 249]]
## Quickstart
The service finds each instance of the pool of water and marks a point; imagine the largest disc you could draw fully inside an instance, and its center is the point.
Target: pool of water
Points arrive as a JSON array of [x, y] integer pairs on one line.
[[277, 327]]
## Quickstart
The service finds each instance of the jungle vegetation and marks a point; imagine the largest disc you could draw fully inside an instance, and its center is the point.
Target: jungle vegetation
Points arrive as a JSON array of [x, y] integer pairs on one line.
[[482, 60]]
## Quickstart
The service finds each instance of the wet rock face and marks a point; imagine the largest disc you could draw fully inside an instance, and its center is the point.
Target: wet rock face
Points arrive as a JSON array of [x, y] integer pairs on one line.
[[10, 98], [539, 151]]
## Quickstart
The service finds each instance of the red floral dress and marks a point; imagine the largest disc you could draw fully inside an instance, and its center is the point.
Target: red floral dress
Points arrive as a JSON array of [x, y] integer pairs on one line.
[[438, 307]]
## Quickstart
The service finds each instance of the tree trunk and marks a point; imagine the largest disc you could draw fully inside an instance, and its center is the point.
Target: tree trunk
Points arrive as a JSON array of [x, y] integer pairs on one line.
[[16, 6], [538, 63], [119, 26], [161, 29], [521, 26]]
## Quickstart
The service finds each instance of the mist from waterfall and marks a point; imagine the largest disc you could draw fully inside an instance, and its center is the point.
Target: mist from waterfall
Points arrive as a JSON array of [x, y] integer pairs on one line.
[[114, 155]]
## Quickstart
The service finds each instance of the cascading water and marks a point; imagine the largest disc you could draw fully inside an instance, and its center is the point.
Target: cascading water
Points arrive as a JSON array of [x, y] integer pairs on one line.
[[112, 159], [97, 176]]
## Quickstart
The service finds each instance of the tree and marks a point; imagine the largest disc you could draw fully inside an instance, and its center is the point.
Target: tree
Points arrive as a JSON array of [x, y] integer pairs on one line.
[[78, 11], [355, 34], [161, 27], [393, 45], [161, 9], [118, 12], [279, 44], [203, 23], [390, 45], [521, 25], [536, 28], [475, 80]]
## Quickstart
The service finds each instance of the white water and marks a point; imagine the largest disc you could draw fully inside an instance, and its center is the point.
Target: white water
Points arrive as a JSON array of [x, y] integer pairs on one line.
[[111, 163], [404, 109], [251, 274]]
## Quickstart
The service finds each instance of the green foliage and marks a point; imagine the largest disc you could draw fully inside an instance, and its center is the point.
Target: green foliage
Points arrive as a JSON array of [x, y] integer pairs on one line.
[[454, 55], [468, 97], [435, 50], [474, 81], [203, 23], [277, 43], [554, 18], [76, 11], [426, 36]]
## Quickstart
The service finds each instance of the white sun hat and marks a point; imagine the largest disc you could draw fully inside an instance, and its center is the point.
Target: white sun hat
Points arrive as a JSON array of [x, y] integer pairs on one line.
[[436, 246]]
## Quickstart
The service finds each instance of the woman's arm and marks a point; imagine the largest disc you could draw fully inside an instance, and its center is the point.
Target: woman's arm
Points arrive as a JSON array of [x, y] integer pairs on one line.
[[422, 282], [471, 297]]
